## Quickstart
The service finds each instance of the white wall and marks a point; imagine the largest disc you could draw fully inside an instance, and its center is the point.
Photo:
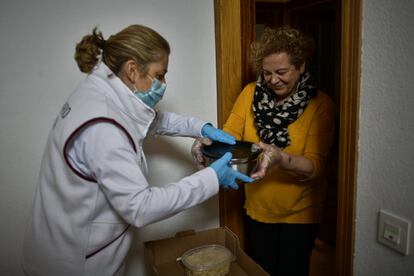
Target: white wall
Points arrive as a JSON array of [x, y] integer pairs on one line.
[[38, 72], [386, 147]]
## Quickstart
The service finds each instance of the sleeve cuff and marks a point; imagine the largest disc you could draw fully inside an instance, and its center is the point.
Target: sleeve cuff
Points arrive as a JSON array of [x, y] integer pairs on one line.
[[212, 180], [200, 127]]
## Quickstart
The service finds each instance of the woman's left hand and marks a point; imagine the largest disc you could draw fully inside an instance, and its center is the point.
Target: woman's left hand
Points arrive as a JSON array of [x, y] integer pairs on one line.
[[269, 157], [196, 151], [210, 134]]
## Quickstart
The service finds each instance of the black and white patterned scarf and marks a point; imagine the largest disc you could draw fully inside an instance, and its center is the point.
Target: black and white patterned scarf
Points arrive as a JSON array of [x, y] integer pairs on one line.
[[272, 120]]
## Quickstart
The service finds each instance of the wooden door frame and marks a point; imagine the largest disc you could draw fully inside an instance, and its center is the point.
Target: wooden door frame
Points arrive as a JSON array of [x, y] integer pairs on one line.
[[230, 36]]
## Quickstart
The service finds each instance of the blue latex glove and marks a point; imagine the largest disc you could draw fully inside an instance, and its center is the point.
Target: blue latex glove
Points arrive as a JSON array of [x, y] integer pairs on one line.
[[216, 134], [226, 175]]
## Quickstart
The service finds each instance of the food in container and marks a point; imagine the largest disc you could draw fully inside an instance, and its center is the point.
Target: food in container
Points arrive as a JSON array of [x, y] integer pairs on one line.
[[244, 155], [207, 260]]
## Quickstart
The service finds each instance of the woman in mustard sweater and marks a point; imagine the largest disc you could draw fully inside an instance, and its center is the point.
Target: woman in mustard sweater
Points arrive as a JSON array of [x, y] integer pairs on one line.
[[292, 122]]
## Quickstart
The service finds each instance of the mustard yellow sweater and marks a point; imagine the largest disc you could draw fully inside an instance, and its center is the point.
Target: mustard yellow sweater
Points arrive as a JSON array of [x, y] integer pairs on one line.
[[280, 197]]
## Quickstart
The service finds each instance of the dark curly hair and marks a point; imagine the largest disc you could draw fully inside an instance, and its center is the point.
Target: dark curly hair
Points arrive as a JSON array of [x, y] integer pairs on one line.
[[284, 39]]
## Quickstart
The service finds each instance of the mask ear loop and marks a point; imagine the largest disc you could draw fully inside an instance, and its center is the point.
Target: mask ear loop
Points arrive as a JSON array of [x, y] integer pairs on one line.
[[151, 79]]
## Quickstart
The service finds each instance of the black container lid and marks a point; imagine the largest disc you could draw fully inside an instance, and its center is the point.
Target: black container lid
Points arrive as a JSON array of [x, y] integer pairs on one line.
[[241, 151]]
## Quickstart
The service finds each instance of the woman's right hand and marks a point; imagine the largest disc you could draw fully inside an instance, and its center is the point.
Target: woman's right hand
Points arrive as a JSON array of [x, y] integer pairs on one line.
[[269, 157], [228, 177], [196, 151]]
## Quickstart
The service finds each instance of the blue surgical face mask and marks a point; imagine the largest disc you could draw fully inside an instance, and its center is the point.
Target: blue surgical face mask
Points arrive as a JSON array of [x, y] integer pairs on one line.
[[152, 96]]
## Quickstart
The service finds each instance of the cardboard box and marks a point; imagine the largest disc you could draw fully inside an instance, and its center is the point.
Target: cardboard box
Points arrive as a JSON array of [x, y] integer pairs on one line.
[[161, 255]]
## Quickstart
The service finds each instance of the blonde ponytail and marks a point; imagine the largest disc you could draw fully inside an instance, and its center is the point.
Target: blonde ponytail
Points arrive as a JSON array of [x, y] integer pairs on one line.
[[136, 42], [88, 51]]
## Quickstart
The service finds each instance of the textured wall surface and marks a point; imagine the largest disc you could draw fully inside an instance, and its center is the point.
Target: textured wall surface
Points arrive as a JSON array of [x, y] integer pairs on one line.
[[38, 72], [386, 145]]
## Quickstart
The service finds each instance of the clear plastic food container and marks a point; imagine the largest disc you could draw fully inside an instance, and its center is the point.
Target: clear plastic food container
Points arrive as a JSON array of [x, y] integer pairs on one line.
[[207, 260]]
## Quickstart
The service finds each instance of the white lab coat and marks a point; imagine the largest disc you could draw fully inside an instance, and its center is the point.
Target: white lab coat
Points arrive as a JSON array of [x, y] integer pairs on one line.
[[92, 188]]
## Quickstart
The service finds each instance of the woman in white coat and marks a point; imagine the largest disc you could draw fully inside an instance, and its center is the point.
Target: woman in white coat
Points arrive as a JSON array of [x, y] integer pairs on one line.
[[92, 188]]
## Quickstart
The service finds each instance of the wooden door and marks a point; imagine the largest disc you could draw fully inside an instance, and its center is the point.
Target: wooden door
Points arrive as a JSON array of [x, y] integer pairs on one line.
[[235, 29]]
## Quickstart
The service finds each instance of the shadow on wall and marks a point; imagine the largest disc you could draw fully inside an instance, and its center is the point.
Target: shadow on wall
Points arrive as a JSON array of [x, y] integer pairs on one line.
[[168, 148]]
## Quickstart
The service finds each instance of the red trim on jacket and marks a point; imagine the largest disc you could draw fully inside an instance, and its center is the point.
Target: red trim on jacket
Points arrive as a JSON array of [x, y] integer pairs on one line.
[[95, 120], [108, 244]]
